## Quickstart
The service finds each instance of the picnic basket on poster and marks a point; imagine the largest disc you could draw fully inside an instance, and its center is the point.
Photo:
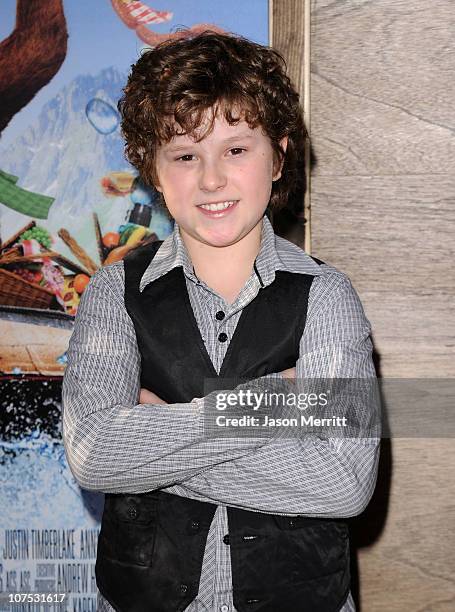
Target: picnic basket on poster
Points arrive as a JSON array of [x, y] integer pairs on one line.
[[34, 275], [41, 287]]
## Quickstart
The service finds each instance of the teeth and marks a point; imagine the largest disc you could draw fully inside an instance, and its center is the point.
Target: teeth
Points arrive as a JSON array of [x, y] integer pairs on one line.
[[219, 206]]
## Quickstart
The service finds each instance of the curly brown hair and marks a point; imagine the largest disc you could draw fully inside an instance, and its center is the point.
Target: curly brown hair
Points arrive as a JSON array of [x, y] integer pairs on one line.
[[173, 87]]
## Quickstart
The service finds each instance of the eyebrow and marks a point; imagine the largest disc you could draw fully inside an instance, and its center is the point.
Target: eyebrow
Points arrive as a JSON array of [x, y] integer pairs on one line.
[[241, 136]]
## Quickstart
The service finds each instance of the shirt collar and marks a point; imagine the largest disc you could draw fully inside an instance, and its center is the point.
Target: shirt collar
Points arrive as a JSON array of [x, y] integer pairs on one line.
[[275, 253]]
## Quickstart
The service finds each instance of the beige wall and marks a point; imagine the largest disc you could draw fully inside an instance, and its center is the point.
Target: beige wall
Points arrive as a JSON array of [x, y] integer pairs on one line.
[[383, 211], [383, 189]]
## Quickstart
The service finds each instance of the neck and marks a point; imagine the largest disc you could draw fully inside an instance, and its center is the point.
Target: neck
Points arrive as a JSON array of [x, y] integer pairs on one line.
[[235, 260]]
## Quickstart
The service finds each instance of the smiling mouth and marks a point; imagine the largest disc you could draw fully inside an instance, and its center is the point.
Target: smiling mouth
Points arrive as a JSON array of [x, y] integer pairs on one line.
[[218, 206]]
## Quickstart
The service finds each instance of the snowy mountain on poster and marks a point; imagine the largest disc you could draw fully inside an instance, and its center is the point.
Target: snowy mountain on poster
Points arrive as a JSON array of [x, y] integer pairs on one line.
[[62, 155]]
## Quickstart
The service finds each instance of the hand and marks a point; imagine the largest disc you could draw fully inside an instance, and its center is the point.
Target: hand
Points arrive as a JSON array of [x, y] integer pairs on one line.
[[289, 373], [148, 397]]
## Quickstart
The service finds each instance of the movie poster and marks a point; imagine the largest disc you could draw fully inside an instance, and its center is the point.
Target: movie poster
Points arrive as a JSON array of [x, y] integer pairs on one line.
[[69, 203]]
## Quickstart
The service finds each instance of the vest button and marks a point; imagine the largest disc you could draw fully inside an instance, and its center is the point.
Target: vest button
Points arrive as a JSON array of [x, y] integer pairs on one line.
[[222, 337], [226, 539], [194, 525], [132, 512], [220, 315], [183, 589], [291, 523]]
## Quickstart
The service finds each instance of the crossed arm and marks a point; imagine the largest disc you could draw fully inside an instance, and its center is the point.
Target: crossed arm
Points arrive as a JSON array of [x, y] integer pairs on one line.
[[115, 445]]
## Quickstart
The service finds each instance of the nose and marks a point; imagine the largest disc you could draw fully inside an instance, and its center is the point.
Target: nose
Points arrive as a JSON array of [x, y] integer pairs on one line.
[[212, 176]]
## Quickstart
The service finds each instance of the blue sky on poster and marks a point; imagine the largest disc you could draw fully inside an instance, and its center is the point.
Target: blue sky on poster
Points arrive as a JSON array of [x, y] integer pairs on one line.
[[98, 39]]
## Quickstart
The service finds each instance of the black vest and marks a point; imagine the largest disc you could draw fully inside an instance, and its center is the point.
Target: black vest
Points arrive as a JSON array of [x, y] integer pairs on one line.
[[151, 546]]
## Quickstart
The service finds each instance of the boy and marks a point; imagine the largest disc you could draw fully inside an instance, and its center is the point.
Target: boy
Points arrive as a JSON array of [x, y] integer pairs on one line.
[[194, 522]]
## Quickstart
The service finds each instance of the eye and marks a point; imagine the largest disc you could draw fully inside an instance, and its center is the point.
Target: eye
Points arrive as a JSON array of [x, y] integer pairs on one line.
[[235, 151], [185, 158]]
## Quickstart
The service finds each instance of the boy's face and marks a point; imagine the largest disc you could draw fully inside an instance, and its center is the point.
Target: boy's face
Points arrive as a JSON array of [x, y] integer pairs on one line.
[[218, 189]]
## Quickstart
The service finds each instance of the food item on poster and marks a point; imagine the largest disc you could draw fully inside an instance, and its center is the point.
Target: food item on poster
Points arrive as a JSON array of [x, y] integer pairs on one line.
[[131, 236], [102, 249], [117, 254], [111, 239], [117, 184], [70, 296], [80, 282], [78, 251], [53, 278], [33, 275], [37, 234], [29, 274], [31, 247]]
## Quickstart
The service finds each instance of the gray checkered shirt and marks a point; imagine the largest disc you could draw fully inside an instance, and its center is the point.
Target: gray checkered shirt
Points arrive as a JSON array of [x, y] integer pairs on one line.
[[115, 445]]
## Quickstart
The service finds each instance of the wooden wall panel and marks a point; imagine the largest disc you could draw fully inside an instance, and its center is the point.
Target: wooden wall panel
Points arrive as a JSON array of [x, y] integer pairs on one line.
[[383, 187], [393, 235], [288, 38], [405, 539], [288, 19], [382, 86], [383, 210]]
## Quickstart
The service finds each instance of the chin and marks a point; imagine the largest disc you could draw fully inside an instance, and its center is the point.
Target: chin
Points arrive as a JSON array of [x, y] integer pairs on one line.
[[222, 238], [221, 241]]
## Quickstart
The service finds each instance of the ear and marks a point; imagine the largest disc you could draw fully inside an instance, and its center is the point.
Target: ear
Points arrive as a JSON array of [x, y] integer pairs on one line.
[[284, 146]]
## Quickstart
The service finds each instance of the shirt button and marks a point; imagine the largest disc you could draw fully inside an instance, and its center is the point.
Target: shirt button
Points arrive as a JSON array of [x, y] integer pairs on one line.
[[222, 337], [224, 608], [220, 315]]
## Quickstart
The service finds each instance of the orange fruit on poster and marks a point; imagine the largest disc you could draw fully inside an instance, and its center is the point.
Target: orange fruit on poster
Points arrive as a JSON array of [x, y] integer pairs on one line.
[[80, 282], [111, 239]]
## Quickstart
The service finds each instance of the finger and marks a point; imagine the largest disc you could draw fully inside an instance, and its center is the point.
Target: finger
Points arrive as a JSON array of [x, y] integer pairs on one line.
[[289, 373], [147, 397]]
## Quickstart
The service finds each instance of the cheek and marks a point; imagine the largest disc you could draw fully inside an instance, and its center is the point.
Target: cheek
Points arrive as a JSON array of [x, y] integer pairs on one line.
[[177, 190], [169, 181], [259, 176]]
